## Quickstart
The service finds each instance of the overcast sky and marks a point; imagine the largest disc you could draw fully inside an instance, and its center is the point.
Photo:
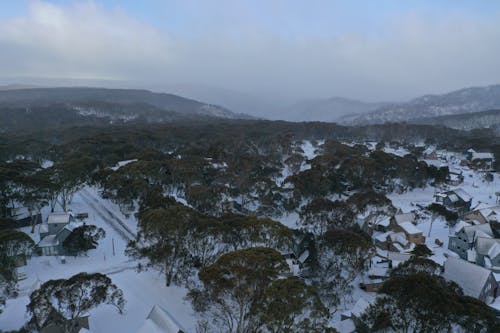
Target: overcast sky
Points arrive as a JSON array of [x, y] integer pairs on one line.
[[370, 50]]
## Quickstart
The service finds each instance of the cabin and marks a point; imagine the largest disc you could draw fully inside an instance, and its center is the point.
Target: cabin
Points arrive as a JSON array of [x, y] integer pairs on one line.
[[483, 214], [464, 238], [52, 234], [480, 160], [405, 223], [160, 320], [475, 281], [457, 200]]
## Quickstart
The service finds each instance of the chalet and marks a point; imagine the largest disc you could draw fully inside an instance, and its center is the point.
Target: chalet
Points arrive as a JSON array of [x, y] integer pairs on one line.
[[483, 214], [486, 253], [392, 241], [480, 160], [405, 223], [20, 216], [160, 320], [476, 281], [356, 311], [455, 177], [430, 154], [52, 234], [457, 200], [462, 242]]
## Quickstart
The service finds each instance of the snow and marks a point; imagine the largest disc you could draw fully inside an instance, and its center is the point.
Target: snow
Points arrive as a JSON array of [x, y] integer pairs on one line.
[[122, 163], [410, 228], [141, 290]]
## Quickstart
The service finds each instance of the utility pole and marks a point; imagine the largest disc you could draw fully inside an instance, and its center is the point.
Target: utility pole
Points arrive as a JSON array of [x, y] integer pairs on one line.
[[113, 243]]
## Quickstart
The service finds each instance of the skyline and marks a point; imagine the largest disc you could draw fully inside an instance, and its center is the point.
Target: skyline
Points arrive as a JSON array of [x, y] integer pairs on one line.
[[283, 50]]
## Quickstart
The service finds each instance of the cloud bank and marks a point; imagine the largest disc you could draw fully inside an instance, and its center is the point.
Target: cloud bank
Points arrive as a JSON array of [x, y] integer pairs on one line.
[[413, 53]]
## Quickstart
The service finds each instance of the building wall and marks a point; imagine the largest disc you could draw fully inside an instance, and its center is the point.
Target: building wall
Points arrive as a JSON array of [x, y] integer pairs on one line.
[[490, 289], [459, 246]]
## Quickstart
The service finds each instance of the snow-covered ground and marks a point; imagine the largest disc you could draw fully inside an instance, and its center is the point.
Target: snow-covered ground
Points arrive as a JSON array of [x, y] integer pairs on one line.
[[141, 290]]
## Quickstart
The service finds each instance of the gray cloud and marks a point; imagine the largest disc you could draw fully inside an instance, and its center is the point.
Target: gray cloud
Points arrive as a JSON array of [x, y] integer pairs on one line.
[[414, 55]]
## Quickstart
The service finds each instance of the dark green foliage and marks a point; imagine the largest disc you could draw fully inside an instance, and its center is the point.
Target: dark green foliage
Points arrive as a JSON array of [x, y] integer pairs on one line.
[[83, 238], [421, 250], [72, 298], [427, 303], [449, 215]]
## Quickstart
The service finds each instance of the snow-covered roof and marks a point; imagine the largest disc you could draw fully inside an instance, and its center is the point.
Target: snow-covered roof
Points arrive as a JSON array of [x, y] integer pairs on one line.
[[58, 218], [482, 156], [398, 237], [160, 321], [405, 217], [384, 223], [463, 195], [470, 277], [49, 240], [383, 237], [345, 326], [378, 271], [479, 230], [360, 307], [303, 256], [409, 228], [461, 225], [494, 250], [44, 228]]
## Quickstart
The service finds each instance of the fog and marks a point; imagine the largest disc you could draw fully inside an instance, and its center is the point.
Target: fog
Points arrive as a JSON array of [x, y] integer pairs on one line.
[[270, 55]]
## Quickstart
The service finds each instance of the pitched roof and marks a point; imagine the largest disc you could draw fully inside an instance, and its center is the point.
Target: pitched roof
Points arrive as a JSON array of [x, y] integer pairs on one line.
[[462, 194], [470, 277], [345, 326], [58, 218], [409, 228], [160, 321], [405, 217]]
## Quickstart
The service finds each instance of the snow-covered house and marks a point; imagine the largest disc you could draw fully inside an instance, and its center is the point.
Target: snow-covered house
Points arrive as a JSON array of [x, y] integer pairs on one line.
[[405, 223], [52, 234], [392, 241], [463, 240], [457, 200], [481, 160], [430, 153], [476, 281], [483, 214], [160, 320]]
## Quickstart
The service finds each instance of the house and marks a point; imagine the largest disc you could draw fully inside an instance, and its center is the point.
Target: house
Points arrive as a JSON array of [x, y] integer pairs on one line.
[[483, 214], [476, 281], [393, 241], [486, 253], [52, 234], [405, 223], [457, 200], [480, 160], [455, 177], [465, 236], [56, 221], [20, 216], [160, 320], [430, 154]]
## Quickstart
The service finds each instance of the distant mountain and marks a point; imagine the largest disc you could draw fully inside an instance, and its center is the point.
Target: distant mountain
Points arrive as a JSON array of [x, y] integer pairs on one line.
[[100, 100], [234, 100], [328, 110], [464, 121], [467, 100]]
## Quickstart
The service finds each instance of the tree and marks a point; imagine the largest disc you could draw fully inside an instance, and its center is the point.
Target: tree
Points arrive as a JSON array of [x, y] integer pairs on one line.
[[73, 298], [342, 255], [289, 305], [421, 250], [235, 285], [83, 238], [427, 303], [162, 240], [15, 246]]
